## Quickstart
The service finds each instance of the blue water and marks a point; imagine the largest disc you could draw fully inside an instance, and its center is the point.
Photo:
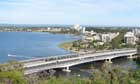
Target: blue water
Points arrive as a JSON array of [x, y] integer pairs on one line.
[[27, 45]]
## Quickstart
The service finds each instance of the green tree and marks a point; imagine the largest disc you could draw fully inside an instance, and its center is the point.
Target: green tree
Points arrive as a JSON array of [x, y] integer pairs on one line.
[[138, 46], [118, 40], [12, 77], [12, 73]]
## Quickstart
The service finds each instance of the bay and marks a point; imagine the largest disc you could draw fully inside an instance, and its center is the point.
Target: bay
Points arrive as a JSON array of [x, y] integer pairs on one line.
[[28, 45]]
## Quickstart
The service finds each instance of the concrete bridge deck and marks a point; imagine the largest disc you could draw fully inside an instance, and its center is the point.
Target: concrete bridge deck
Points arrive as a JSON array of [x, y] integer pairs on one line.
[[66, 61]]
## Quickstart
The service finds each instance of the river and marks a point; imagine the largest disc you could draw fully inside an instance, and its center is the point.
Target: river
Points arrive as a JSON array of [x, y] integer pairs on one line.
[[27, 45]]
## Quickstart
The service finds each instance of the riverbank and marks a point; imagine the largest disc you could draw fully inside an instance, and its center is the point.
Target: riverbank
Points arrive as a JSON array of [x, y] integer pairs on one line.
[[68, 46]]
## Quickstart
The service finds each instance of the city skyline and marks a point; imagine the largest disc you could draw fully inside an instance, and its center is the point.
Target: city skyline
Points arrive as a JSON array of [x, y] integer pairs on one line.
[[85, 12]]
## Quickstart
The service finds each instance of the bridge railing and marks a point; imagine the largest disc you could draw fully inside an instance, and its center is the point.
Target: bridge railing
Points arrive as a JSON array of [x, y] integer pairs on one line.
[[51, 58], [78, 57]]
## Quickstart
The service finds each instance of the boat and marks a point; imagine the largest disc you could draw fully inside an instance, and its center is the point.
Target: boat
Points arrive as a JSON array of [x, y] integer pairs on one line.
[[11, 55]]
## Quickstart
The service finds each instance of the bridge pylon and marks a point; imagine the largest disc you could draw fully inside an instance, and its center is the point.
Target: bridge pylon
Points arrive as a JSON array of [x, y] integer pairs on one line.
[[108, 60], [66, 69], [130, 56]]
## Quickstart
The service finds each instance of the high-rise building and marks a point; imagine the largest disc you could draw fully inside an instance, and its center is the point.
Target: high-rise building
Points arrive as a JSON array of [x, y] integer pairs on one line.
[[77, 27], [108, 37], [83, 30], [130, 38], [136, 31]]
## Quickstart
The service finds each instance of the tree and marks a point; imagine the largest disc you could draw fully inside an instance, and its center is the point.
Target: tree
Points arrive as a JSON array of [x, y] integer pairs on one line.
[[117, 40], [12, 77], [12, 73], [138, 46]]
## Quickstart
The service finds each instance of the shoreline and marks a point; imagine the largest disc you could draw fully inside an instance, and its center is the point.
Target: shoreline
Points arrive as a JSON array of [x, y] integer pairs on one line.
[[68, 46]]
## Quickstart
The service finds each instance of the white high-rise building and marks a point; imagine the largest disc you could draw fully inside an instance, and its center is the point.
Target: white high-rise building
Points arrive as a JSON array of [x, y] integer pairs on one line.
[[105, 38], [130, 38], [77, 27], [83, 30], [108, 37], [136, 31]]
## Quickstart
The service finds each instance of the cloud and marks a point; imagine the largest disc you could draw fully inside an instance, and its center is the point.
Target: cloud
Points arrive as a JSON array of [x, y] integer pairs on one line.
[[70, 11]]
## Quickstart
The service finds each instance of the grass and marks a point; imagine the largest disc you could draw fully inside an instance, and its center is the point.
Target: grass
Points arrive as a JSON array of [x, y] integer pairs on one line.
[[68, 46]]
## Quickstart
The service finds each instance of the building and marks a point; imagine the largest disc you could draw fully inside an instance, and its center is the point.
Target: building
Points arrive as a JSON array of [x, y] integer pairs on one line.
[[90, 33], [83, 30], [130, 38], [100, 43], [77, 27], [48, 29], [108, 37], [136, 31], [87, 38], [105, 38], [97, 37]]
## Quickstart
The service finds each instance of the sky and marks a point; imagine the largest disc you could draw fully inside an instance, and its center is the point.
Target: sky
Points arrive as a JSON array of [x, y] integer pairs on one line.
[[84, 12]]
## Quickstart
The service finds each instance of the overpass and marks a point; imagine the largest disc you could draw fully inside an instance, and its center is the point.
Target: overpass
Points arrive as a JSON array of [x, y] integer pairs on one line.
[[69, 60]]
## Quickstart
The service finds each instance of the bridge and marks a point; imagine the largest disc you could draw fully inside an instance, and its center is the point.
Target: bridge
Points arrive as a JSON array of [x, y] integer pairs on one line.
[[69, 60]]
